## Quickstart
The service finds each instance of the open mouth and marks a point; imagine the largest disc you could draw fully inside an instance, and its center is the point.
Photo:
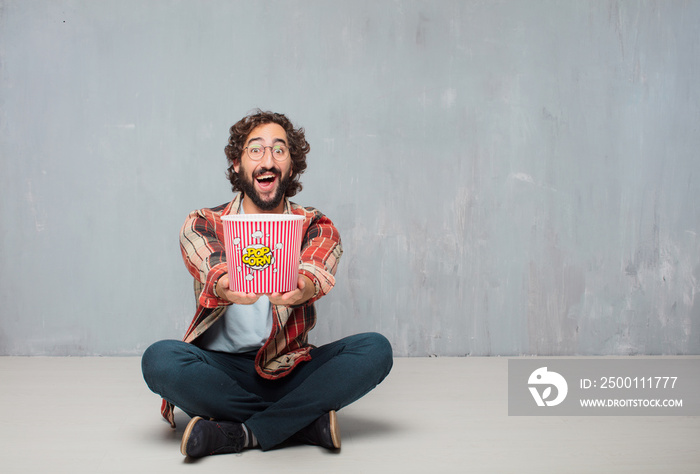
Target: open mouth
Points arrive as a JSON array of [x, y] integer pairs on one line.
[[266, 180]]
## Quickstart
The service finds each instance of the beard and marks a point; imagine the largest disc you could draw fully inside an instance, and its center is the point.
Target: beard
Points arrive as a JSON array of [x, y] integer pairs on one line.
[[249, 191]]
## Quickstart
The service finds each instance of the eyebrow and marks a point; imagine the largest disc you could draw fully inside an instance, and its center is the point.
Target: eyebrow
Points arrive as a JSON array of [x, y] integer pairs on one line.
[[276, 140]]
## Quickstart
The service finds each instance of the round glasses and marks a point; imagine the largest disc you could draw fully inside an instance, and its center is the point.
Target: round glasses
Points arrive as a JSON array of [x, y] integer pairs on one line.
[[256, 152]]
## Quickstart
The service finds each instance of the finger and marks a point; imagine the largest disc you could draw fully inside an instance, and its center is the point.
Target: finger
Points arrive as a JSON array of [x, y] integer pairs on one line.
[[240, 294], [243, 298], [287, 298]]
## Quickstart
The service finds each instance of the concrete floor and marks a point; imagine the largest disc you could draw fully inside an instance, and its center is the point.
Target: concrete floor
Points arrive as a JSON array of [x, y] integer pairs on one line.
[[438, 415]]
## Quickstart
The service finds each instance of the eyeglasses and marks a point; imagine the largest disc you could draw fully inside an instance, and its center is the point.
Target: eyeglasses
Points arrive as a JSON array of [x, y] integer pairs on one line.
[[256, 152]]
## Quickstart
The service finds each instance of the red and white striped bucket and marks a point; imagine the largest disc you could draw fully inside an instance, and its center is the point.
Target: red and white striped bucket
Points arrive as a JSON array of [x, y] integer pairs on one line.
[[262, 251]]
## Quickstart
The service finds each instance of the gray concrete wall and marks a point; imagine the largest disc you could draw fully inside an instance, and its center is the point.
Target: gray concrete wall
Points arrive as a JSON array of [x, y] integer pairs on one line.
[[517, 177]]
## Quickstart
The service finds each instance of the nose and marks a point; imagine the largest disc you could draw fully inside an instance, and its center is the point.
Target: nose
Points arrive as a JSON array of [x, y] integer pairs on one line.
[[267, 160]]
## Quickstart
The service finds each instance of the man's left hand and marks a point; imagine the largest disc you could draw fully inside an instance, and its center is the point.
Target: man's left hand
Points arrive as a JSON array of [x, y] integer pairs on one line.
[[304, 292]]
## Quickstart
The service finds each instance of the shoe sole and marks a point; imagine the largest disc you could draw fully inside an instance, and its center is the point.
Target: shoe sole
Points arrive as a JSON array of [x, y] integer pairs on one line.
[[187, 433], [335, 429]]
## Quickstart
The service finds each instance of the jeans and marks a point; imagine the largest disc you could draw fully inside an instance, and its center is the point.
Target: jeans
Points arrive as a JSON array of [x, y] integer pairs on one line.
[[226, 386]]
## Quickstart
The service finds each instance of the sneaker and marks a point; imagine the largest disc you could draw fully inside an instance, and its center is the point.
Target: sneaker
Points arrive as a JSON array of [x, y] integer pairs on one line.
[[203, 437], [323, 432]]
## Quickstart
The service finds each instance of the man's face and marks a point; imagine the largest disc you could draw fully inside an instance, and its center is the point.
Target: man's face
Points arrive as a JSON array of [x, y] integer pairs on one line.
[[265, 182]]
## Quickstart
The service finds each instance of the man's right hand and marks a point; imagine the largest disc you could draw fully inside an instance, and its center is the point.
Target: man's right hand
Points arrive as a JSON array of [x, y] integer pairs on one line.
[[235, 297]]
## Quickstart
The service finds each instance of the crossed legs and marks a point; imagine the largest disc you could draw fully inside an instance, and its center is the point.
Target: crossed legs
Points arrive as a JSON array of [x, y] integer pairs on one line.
[[226, 387]]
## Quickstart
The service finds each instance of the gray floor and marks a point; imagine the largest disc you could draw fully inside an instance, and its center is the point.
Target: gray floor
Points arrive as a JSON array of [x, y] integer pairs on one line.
[[440, 415]]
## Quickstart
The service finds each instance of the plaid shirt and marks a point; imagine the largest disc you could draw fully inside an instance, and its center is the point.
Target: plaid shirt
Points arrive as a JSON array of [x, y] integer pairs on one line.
[[202, 246]]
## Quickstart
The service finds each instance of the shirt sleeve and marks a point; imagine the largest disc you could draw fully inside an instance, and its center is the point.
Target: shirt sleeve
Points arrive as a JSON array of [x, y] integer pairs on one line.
[[203, 251], [321, 250]]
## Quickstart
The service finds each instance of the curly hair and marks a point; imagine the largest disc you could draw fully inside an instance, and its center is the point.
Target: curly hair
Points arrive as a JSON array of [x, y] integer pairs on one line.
[[298, 146]]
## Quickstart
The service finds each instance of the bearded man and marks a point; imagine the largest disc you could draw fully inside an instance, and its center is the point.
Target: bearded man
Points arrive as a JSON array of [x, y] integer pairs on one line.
[[245, 372]]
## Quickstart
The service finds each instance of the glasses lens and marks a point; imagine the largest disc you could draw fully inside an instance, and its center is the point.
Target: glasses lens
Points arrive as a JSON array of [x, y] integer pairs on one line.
[[279, 152], [256, 152]]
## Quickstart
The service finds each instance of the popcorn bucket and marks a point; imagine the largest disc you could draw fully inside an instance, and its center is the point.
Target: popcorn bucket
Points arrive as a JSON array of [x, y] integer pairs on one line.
[[262, 251]]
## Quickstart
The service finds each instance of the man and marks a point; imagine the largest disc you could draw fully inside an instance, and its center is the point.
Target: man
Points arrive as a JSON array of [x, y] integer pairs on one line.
[[245, 371]]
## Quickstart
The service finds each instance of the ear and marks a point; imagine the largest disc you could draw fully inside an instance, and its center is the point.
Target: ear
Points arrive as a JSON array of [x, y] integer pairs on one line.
[[236, 165]]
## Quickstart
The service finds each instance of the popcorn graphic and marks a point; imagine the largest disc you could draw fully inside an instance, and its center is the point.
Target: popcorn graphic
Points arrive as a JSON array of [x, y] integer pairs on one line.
[[257, 257]]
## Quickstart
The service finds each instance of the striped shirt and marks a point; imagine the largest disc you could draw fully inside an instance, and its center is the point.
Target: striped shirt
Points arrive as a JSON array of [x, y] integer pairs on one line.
[[202, 247]]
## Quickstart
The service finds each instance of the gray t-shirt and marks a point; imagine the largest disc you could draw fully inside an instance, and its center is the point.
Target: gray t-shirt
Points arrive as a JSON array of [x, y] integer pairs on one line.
[[242, 328]]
